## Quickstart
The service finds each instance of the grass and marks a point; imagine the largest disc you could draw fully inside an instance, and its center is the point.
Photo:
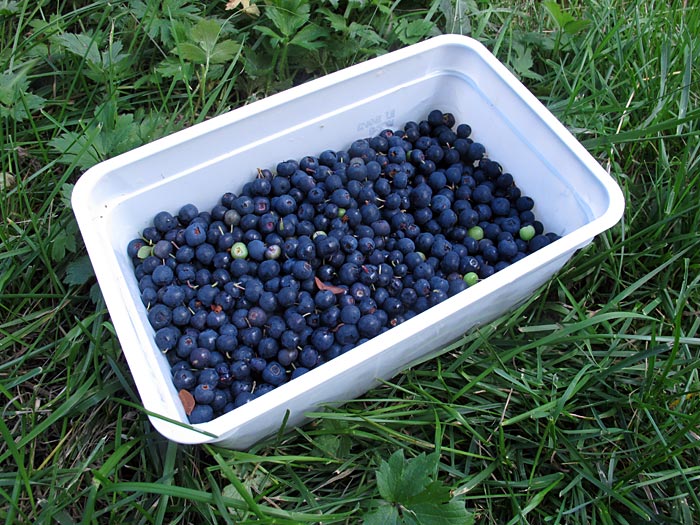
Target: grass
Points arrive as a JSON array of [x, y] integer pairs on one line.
[[582, 406]]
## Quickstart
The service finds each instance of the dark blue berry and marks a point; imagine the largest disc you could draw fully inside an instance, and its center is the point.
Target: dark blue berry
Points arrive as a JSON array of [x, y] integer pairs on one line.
[[201, 414], [274, 374]]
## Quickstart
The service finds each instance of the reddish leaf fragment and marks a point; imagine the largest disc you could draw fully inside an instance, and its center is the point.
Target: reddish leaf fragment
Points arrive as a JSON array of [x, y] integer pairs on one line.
[[187, 401], [323, 286]]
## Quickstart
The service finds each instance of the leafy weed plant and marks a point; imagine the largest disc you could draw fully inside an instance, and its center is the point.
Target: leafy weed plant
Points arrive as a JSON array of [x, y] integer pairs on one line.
[[582, 406]]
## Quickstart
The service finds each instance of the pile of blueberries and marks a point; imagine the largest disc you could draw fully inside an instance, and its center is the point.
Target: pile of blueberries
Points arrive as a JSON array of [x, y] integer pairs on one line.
[[327, 252]]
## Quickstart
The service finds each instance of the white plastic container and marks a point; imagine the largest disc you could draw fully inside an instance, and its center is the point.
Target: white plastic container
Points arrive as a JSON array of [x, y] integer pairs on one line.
[[116, 199]]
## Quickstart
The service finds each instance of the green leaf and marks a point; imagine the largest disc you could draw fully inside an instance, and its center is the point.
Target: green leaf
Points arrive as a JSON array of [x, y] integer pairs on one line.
[[309, 37], [415, 498], [365, 34], [15, 101], [413, 31], [118, 134], [77, 148], [192, 53], [224, 52], [383, 515], [107, 135], [81, 45], [8, 7], [64, 241], [574, 26], [337, 22], [113, 56], [451, 513], [95, 293], [172, 67], [206, 34], [79, 271], [11, 85], [288, 15], [390, 475], [274, 37], [161, 20], [522, 62], [563, 19], [398, 480], [560, 17], [66, 194], [436, 492], [207, 49]]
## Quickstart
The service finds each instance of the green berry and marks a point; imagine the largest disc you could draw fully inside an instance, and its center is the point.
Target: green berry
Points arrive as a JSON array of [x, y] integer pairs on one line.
[[471, 278], [527, 232], [239, 250], [145, 251], [476, 233]]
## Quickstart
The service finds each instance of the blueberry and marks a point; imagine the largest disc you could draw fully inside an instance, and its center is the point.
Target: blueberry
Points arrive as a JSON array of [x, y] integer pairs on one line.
[[420, 196], [185, 345], [392, 306], [163, 249], [203, 394], [500, 206], [486, 271], [242, 398], [207, 338], [159, 316], [322, 339], [524, 204], [164, 221], [507, 249], [435, 118], [263, 389], [284, 205], [476, 151], [242, 353], [221, 399], [166, 338], [201, 414], [225, 379], [251, 336], [240, 370], [149, 296], [482, 194], [268, 346], [527, 217], [347, 334], [184, 380], [491, 231], [253, 289], [287, 356], [162, 275], [195, 234], [538, 242], [274, 374], [436, 297], [199, 358], [302, 270], [464, 130], [187, 213]]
